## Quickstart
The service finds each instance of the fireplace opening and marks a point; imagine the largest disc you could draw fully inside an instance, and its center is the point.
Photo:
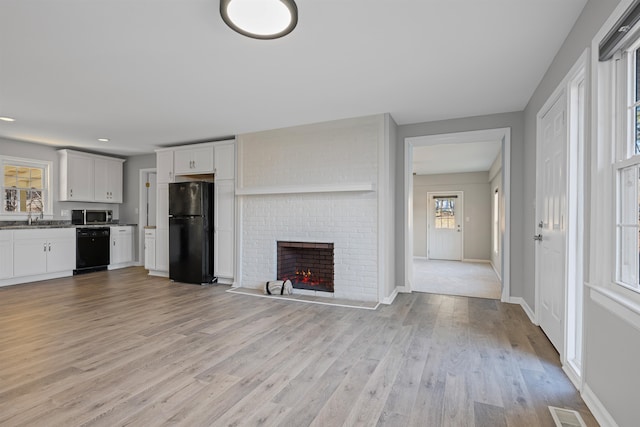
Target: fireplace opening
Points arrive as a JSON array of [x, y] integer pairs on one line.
[[308, 265]]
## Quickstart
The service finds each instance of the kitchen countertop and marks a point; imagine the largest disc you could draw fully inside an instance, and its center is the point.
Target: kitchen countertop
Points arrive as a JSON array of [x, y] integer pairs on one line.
[[22, 225]]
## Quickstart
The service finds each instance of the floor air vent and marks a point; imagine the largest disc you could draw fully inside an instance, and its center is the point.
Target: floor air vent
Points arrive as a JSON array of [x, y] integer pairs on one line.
[[566, 417]]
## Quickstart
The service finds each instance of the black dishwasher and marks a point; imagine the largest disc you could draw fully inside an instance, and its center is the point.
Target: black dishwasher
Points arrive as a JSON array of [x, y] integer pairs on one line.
[[92, 249]]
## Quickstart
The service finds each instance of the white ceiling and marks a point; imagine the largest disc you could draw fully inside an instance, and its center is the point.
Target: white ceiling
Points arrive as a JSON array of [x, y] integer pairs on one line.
[[147, 73], [455, 158]]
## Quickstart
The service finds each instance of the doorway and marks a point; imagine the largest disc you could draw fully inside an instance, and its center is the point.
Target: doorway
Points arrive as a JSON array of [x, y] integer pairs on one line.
[[474, 141], [147, 205], [561, 128]]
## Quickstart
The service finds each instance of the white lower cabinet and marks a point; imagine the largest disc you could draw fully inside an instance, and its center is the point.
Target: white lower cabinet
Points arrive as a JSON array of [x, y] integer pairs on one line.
[[43, 251], [150, 249], [121, 254], [6, 254], [162, 250]]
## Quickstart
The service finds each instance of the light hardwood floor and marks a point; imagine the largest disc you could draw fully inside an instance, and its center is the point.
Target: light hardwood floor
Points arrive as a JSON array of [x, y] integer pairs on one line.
[[122, 348]]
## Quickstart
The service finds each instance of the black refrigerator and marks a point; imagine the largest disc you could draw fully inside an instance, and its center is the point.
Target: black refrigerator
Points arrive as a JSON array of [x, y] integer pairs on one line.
[[191, 232]]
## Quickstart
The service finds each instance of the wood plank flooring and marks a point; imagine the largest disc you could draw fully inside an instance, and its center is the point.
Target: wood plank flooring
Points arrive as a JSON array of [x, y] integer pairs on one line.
[[122, 348]]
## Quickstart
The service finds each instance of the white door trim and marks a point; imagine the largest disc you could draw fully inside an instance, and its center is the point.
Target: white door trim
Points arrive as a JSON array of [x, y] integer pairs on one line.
[[575, 181], [430, 196], [501, 134], [142, 204]]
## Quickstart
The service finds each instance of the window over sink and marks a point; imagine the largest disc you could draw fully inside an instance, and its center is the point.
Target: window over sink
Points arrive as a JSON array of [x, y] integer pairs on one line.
[[25, 187]]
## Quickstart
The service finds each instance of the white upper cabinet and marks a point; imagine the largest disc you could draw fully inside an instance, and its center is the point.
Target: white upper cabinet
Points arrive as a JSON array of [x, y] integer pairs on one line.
[[108, 180], [193, 160], [225, 160], [76, 176], [164, 166], [88, 177]]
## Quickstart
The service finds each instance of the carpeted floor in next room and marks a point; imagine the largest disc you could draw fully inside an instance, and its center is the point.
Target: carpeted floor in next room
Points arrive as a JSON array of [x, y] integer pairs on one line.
[[471, 279]]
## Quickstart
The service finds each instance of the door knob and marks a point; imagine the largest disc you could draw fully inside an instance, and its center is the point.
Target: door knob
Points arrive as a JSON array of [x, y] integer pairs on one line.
[[538, 237]]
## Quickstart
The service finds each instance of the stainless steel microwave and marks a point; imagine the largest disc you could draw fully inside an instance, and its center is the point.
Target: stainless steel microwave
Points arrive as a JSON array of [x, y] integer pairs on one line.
[[86, 216]]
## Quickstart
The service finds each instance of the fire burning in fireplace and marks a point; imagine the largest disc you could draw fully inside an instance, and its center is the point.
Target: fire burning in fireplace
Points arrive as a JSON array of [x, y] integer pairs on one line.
[[307, 265]]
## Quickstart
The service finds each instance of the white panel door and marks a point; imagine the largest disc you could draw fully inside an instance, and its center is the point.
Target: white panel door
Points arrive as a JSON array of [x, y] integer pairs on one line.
[[445, 226], [551, 201]]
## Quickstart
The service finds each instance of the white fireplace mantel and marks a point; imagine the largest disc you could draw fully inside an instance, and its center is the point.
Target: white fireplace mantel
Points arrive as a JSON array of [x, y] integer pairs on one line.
[[301, 189]]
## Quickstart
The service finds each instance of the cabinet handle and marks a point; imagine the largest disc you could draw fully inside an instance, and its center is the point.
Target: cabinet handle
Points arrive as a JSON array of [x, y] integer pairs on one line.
[[114, 243], [49, 247], [44, 247]]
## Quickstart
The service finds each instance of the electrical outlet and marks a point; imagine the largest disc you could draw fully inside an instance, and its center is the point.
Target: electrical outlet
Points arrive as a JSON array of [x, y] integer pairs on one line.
[[64, 212]]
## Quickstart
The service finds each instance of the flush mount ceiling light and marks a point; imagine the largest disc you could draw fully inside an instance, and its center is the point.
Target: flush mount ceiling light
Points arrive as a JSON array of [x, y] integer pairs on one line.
[[260, 19], [103, 139], [7, 119]]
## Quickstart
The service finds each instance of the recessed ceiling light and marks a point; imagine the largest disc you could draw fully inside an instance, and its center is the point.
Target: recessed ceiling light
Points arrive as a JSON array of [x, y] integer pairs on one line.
[[7, 119], [103, 139]]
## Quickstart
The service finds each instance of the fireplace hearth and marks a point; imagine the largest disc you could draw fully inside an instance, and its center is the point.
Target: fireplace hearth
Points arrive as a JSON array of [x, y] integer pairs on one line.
[[309, 265]]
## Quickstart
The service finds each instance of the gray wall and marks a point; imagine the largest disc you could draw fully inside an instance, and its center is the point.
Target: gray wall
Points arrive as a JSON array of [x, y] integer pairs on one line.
[[29, 150], [515, 121], [477, 208], [131, 197]]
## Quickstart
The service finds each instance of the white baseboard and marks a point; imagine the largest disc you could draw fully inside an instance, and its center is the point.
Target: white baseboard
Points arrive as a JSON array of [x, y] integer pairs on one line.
[[403, 289], [158, 273], [389, 300], [596, 407], [520, 301], [35, 278], [484, 261], [573, 375], [422, 258], [495, 270], [123, 265]]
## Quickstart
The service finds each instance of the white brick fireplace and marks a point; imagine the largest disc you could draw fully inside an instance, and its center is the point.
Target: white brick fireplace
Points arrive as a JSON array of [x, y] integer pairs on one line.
[[318, 183]]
